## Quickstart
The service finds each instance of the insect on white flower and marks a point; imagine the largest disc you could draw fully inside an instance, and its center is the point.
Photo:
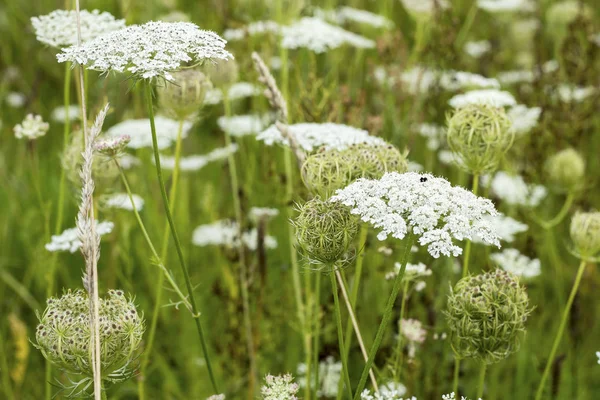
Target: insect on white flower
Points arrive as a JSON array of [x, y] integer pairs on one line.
[[437, 212]]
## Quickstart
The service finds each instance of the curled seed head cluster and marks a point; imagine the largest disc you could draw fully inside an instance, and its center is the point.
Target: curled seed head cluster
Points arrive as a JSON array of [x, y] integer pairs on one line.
[[222, 73], [566, 170], [328, 170], [585, 233], [479, 135], [185, 94], [325, 230], [486, 315], [63, 335]]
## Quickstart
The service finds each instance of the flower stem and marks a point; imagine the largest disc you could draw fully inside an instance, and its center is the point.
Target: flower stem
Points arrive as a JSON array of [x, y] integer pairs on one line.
[[482, 371], [338, 320], [317, 325], [465, 268], [561, 213], [167, 208], [387, 315], [399, 351], [456, 373], [561, 328]]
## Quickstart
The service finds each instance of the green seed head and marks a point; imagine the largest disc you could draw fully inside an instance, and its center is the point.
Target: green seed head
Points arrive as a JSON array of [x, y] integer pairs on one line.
[[486, 315], [63, 334], [566, 170], [104, 170], [325, 230], [372, 162], [585, 233], [479, 135], [222, 73], [184, 96]]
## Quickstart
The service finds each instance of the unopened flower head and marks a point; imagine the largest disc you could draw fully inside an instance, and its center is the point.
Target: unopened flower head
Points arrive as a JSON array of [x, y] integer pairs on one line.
[[222, 73], [492, 97], [139, 132], [511, 260], [281, 387], [63, 334], [184, 95], [59, 28], [486, 315], [434, 210], [479, 135], [325, 230], [151, 50], [112, 146], [313, 136], [566, 170], [585, 233], [32, 127], [68, 240]]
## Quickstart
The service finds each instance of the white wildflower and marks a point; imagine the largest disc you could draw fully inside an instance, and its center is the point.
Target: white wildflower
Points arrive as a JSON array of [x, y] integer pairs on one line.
[[59, 114], [506, 227], [389, 395], [516, 76], [216, 397], [392, 388], [568, 94], [492, 97], [477, 49], [598, 355], [514, 191], [127, 161], [412, 330], [252, 29], [69, 239], [319, 36], [59, 28], [436, 211], [412, 271], [329, 377], [151, 50], [239, 90], [494, 6], [311, 136], [348, 14], [242, 125], [523, 118], [15, 99], [257, 213], [141, 135], [447, 157], [415, 166], [225, 233], [452, 396], [424, 6], [280, 387], [435, 134], [31, 128], [197, 162], [421, 79], [122, 201], [457, 80], [513, 261]]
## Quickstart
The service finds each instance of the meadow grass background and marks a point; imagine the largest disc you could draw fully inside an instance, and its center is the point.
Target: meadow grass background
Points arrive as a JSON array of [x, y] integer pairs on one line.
[[337, 86]]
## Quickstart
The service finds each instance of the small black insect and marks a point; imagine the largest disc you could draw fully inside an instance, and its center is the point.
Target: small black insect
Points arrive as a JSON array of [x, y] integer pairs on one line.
[[423, 179]]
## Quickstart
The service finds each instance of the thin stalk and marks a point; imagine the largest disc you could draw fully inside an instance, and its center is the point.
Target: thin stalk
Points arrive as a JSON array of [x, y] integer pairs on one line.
[[387, 315], [356, 328], [465, 267], [163, 192], [235, 188], [466, 27], [317, 325], [399, 351], [163, 260], [561, 213], [482, 371], [338, 320], [561, 329], [456, 372]]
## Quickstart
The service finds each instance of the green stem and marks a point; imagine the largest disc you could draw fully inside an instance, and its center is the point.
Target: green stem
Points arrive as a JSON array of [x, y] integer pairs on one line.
[[317, 326], [466, 27], [387, 315], [561, 214], [163, 260], [561, 328], [399, 352], [167, 208], [465, 268], [482, 371], [456, 372], [338, 320]]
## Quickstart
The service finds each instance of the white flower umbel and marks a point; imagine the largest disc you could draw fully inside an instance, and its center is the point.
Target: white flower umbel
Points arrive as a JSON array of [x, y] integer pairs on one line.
[[128, 161], [421, 79], [412, 272], [431, 207], [452, 396], [59, 114], [457, 80], [330, 372], [239, 90], [387, 395], [477, 49], [122, 201], [496, 6], [151, 50], [311, 136], [141, 136], [69, 239], [598, 352], [424, 6], [513, 190], [412, 330], [15, 99], [435, 134], [506, 228], [514, 77], [493, 97], [257, 213], [511, 260], [319, 36], [242, 125], [574, 94], [252, 29], [32, 127], [59, 28], [348, 14], [523, 118], [280, 387], [225, 233], [196, 163]]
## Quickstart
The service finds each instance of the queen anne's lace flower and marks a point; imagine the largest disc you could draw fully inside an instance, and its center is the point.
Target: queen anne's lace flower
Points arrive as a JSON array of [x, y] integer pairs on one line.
[[59, 28], [242, 125], [452, 396], [69, 239], [435, 134], [225, 233], [523, 119], [421, 79], [122, 201], [506, 227], [349, 14], [238, 90], [252, 29], [412, 271], [436, 211], [387, 395], [257, 213], [280, 387], [424, 6], [514, 190], [478, 48], [330, 372], [598, 355], [575, 94], [148, 51], [506, 5], [493, 97], [15, 99], [141, 136], [319, 36], [511, 260], [59, 114], [31, 128], [195, 163], [311, 136]]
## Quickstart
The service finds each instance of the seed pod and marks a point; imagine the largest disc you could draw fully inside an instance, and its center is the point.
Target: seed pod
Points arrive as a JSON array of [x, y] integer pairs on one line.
[[486, 314], [566, 170], [184, 96], [479, 135], [222, 73], [585, 233], [326, 171]]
